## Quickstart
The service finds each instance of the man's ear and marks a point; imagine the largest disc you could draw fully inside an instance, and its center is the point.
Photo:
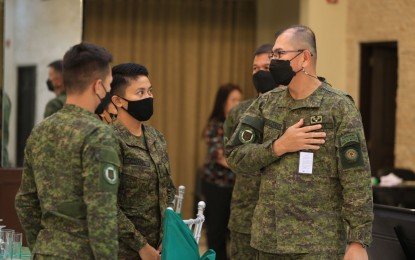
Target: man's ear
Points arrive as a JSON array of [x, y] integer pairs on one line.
[[307, 58], [97, 85], [116, 100]]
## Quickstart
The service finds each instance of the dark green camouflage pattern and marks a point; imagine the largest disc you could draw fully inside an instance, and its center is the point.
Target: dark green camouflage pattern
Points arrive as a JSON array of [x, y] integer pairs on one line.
[[55, 104], [308, 213], [146, 189], [66, 203], [246, 189], [267, 256], [240, 247]]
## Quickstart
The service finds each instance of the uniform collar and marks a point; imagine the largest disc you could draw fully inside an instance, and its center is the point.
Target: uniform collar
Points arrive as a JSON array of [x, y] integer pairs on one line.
[[132, 140], [312, 101]]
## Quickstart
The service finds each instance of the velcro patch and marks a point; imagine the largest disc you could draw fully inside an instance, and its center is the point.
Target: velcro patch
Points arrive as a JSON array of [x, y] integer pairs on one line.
[[349, 139], [273, 124]]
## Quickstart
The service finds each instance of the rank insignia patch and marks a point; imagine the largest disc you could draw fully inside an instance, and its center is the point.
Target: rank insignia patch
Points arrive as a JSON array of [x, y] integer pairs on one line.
[[316, 120]]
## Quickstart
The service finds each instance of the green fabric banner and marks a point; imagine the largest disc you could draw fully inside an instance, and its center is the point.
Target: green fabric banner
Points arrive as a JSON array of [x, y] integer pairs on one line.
[[178, 240]]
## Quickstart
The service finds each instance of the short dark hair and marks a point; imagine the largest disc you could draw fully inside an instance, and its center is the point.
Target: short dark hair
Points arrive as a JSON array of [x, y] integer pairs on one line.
[[56, 65], [302, 35], [264, 48], [84, 63], [218, 111], [123, 73]]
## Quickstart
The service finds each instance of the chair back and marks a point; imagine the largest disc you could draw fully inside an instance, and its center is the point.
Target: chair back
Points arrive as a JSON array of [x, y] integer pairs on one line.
[[195, 225], [178, 199]]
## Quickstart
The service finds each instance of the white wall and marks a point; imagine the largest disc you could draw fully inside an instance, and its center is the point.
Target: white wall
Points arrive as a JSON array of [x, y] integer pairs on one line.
[[328, 21], [39, 32]]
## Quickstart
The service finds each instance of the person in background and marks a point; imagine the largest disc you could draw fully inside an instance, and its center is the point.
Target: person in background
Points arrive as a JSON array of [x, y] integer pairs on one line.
[[6, 105], [307, 139], [217, 179], [246, 189], [55, 84], [146, 187], [67, 200]]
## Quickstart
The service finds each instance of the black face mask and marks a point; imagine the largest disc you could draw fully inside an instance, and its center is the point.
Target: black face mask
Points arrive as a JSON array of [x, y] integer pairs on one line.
[[50, 85], [104, 103], [263, 81], [281, 71], [142, 110]]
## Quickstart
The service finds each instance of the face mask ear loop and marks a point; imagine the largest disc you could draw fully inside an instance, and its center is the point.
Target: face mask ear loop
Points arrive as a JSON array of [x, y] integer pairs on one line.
[[303, 70]]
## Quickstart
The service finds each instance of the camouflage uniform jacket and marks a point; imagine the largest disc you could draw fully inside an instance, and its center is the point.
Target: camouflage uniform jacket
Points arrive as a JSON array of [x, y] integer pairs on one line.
[[67, 201], [306, 213], [55, 104], [246, 189], [146, 189]]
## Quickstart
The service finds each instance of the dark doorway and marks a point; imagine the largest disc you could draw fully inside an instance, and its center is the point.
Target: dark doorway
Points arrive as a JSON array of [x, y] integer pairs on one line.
[[26, 83], [378, 86]]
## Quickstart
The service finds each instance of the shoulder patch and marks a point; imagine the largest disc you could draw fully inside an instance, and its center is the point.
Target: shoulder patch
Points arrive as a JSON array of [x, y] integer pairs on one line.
[[246, 134], [350, 151], [254, 122], [111, 174]]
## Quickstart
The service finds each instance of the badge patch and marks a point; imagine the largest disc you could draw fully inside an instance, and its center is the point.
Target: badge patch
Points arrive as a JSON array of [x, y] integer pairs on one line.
[[351, 155], [246, 135], [111, 175], [316, 119]]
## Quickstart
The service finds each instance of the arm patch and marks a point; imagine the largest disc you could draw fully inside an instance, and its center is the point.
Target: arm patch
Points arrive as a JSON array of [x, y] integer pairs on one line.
[[350, 151], [250, 130], [108, 170]]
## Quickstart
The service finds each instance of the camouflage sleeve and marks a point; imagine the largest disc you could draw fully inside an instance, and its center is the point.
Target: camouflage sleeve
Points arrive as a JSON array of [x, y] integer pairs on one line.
[[128, 233], [354, 173], [229, 125], [101, 165], [246, 151], [27, 203]]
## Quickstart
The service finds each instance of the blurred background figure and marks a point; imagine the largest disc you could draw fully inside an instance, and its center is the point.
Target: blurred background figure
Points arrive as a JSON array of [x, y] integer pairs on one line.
[[6, 105], [55, 84], [217, 178]]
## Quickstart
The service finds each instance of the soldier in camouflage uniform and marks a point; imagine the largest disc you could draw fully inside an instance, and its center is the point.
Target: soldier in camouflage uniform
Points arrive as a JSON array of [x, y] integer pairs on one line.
[[146, 187], [245, 191], [315, 197], [67, 199], [55, 84]]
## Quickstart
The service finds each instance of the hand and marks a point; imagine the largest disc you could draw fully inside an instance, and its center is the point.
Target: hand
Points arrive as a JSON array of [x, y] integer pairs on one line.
[[298, 138], [355, 251], [149, 253], [221, 159]]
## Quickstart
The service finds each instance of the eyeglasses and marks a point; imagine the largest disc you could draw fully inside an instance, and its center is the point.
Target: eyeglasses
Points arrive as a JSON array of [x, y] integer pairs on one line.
[[278, 53]]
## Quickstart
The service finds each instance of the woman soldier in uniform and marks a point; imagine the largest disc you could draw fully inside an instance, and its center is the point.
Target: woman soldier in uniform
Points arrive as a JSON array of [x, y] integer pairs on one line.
[[146, 187]]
